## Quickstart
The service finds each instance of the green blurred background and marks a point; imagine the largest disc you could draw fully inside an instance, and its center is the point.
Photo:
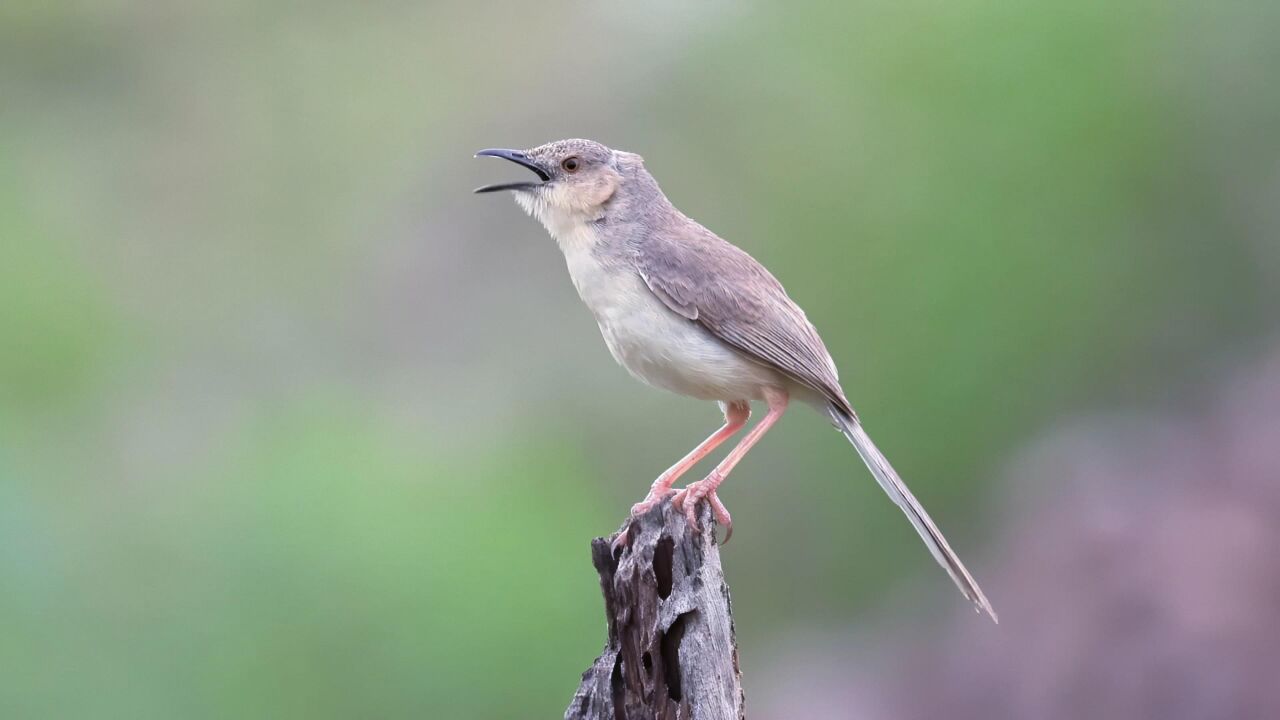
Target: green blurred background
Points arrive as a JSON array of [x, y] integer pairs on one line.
[[292, 425]]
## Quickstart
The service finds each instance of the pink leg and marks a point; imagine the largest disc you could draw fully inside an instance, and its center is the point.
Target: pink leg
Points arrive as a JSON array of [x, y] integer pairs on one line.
[[735, 416], [706, 488]]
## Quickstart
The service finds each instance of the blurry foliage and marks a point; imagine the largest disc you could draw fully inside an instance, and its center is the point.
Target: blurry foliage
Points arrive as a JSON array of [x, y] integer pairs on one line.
[[320, 566], [291, 425], [57, 333]]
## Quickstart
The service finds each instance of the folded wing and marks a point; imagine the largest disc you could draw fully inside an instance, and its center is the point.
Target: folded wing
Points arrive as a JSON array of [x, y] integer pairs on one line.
[[714, 283]]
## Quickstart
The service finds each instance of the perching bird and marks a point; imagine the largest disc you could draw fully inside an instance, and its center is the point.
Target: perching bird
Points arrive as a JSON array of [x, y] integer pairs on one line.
[[683, 310]]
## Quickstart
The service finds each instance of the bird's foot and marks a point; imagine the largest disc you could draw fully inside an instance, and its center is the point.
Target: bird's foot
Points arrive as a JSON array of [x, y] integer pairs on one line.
[[652, 500], [688, 498]]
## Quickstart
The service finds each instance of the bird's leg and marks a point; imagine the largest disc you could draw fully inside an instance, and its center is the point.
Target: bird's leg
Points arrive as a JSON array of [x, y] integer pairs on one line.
[[687, 499], [735, 417]]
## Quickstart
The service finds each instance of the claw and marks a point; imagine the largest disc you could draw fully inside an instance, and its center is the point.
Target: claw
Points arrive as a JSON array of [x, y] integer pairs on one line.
[[620, 542], [622, 539], [688, 498], [687, 501], [722, 516], [691, 514]]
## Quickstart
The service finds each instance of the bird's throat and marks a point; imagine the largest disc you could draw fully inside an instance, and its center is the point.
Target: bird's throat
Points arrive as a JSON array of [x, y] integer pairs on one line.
[[572, 229]]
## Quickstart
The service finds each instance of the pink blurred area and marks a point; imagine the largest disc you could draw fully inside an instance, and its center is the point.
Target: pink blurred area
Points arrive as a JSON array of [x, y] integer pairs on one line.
[[1136, 578]]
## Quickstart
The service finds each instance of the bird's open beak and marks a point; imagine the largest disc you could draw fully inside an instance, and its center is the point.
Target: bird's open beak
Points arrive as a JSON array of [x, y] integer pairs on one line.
[[518, 158]]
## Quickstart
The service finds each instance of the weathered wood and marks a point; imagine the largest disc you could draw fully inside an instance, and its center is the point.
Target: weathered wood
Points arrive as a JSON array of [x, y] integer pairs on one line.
[[671, 652]]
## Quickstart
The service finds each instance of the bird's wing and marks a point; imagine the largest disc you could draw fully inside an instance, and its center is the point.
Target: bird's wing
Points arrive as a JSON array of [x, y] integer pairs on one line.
[[709, 281]]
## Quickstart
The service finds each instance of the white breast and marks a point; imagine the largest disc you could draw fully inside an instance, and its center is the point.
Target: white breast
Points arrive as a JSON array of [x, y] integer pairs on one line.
[[653, 343]]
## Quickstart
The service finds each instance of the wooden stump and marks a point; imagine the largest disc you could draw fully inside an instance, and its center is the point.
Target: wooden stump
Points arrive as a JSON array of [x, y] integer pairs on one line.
[[671, 652]]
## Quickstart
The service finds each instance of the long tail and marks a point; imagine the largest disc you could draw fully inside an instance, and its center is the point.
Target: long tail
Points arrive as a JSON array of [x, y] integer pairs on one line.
[[920, 520]]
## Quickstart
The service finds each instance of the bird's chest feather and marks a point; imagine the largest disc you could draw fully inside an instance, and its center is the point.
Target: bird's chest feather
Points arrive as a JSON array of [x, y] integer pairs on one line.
[[653, 343], [614, 293]]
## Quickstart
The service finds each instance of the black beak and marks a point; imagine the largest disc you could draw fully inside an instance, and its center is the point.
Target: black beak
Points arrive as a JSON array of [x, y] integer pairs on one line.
[[518, 158]]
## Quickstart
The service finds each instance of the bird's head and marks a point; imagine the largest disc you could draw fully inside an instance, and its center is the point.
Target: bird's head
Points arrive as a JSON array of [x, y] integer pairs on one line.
[[575, 178]]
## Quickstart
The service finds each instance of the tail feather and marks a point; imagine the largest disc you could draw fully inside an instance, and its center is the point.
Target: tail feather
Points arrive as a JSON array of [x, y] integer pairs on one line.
[[920, 520]]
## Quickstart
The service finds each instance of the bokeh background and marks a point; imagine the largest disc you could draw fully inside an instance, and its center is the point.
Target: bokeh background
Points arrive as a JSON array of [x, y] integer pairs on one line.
[[292, 425]]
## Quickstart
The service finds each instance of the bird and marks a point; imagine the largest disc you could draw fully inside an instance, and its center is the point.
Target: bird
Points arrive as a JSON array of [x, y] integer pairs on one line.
[[685, 311]]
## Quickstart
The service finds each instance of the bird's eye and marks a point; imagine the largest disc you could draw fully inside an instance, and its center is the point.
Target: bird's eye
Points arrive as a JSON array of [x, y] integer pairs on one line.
[[570, 164]]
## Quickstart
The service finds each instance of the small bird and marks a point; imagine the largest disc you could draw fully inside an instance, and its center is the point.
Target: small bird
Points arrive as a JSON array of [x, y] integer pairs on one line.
[[683, 310]]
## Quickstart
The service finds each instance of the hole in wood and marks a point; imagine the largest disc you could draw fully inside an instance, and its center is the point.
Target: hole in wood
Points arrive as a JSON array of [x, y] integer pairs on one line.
[[671, 656], [663, 556], [617, 691]]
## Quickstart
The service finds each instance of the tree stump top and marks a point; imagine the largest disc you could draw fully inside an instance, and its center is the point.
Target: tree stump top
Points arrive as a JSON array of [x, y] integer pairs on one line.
[[671, 652]]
